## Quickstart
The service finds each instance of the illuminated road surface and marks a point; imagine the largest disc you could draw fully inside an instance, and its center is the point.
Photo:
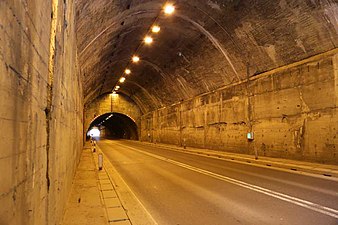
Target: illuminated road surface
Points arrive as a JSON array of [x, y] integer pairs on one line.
[[180, 188]]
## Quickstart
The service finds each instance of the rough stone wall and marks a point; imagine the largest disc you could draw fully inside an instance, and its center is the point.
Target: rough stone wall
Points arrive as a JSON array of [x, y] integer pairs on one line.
[[107, 103], [40, 110], [292, 111]]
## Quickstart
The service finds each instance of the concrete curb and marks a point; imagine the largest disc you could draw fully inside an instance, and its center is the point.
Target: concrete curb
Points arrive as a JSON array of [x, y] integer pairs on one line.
[[328, 171]]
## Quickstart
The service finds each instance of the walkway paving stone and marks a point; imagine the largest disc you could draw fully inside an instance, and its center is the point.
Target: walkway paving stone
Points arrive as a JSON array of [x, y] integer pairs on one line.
[[85, 205], [93, 200]]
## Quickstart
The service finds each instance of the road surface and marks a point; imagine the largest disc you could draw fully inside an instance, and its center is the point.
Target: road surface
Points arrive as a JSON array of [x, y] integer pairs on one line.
[[181, 188]]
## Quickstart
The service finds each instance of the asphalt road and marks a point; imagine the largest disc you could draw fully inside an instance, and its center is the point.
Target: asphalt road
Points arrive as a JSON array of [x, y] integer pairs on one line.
[[180, 188]]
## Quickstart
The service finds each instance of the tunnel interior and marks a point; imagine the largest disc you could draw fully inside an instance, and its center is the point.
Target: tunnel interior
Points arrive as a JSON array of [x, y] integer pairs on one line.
[[216, 71], [115, 126]]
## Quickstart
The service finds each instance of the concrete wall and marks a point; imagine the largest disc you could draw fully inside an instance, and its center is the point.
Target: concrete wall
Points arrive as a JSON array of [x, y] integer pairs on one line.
[[292, 111], [108, 103], [40, 110]]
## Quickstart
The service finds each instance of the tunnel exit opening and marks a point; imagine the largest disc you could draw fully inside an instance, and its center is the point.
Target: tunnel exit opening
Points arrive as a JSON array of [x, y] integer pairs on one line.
[[114, 126]]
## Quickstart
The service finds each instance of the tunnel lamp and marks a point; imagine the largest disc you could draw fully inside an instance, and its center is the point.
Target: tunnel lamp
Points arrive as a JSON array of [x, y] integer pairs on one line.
[[148, 40], [127, 71], [155, 29], [135, 58], [114, 92], [169, 9], [122, 79]]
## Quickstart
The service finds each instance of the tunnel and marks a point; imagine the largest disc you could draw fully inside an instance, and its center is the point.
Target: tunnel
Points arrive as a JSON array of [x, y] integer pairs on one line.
[[115, 126], [251, 81]]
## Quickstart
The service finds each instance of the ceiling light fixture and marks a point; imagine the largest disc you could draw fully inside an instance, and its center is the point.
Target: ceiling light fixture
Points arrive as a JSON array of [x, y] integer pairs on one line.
[[122, 79], [169, 9], [148, 40], [127, 71], [135, 58], [155, 29]]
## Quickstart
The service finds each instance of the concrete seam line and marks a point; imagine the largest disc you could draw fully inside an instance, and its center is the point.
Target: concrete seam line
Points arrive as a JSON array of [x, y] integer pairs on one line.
[[297, 201], [108, 163]]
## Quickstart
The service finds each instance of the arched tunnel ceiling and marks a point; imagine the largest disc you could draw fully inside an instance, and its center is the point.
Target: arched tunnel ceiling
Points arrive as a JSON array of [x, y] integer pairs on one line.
[[204, 45]]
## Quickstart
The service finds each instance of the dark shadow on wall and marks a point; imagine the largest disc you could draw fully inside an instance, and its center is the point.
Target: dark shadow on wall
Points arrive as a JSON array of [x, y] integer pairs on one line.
[[115, 126]]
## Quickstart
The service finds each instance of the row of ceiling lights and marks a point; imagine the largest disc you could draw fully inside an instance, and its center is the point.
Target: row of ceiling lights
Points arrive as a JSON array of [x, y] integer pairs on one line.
[[168, 10]]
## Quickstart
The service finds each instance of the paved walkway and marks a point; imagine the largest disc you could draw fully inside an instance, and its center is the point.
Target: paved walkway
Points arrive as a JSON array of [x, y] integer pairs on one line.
[[85, 206], [93, 199]]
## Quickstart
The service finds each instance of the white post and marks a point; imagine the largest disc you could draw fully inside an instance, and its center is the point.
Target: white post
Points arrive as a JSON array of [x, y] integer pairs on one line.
[[100, 161]]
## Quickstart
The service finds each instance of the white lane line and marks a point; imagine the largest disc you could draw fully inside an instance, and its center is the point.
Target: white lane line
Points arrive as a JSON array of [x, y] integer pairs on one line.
[[297, 201]]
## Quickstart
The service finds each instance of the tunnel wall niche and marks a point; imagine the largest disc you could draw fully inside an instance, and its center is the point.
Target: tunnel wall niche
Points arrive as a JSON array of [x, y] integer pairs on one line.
[[292, 111], [108, 103], [41, 110]]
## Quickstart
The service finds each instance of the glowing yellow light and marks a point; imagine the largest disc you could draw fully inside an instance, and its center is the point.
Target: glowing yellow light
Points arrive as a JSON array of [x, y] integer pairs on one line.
[[169, 9], [114, 93], [155, 29], [135, 59], [122, 79], [127, 71], [117, 87], [148, 40]]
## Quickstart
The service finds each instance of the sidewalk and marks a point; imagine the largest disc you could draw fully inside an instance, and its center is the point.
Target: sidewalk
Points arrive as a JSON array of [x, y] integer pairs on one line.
[[93, 199], [85, 205], [274, 163]]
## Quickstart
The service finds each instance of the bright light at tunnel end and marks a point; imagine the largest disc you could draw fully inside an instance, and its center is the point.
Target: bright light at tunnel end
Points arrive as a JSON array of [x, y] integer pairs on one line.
[[94, 132]]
